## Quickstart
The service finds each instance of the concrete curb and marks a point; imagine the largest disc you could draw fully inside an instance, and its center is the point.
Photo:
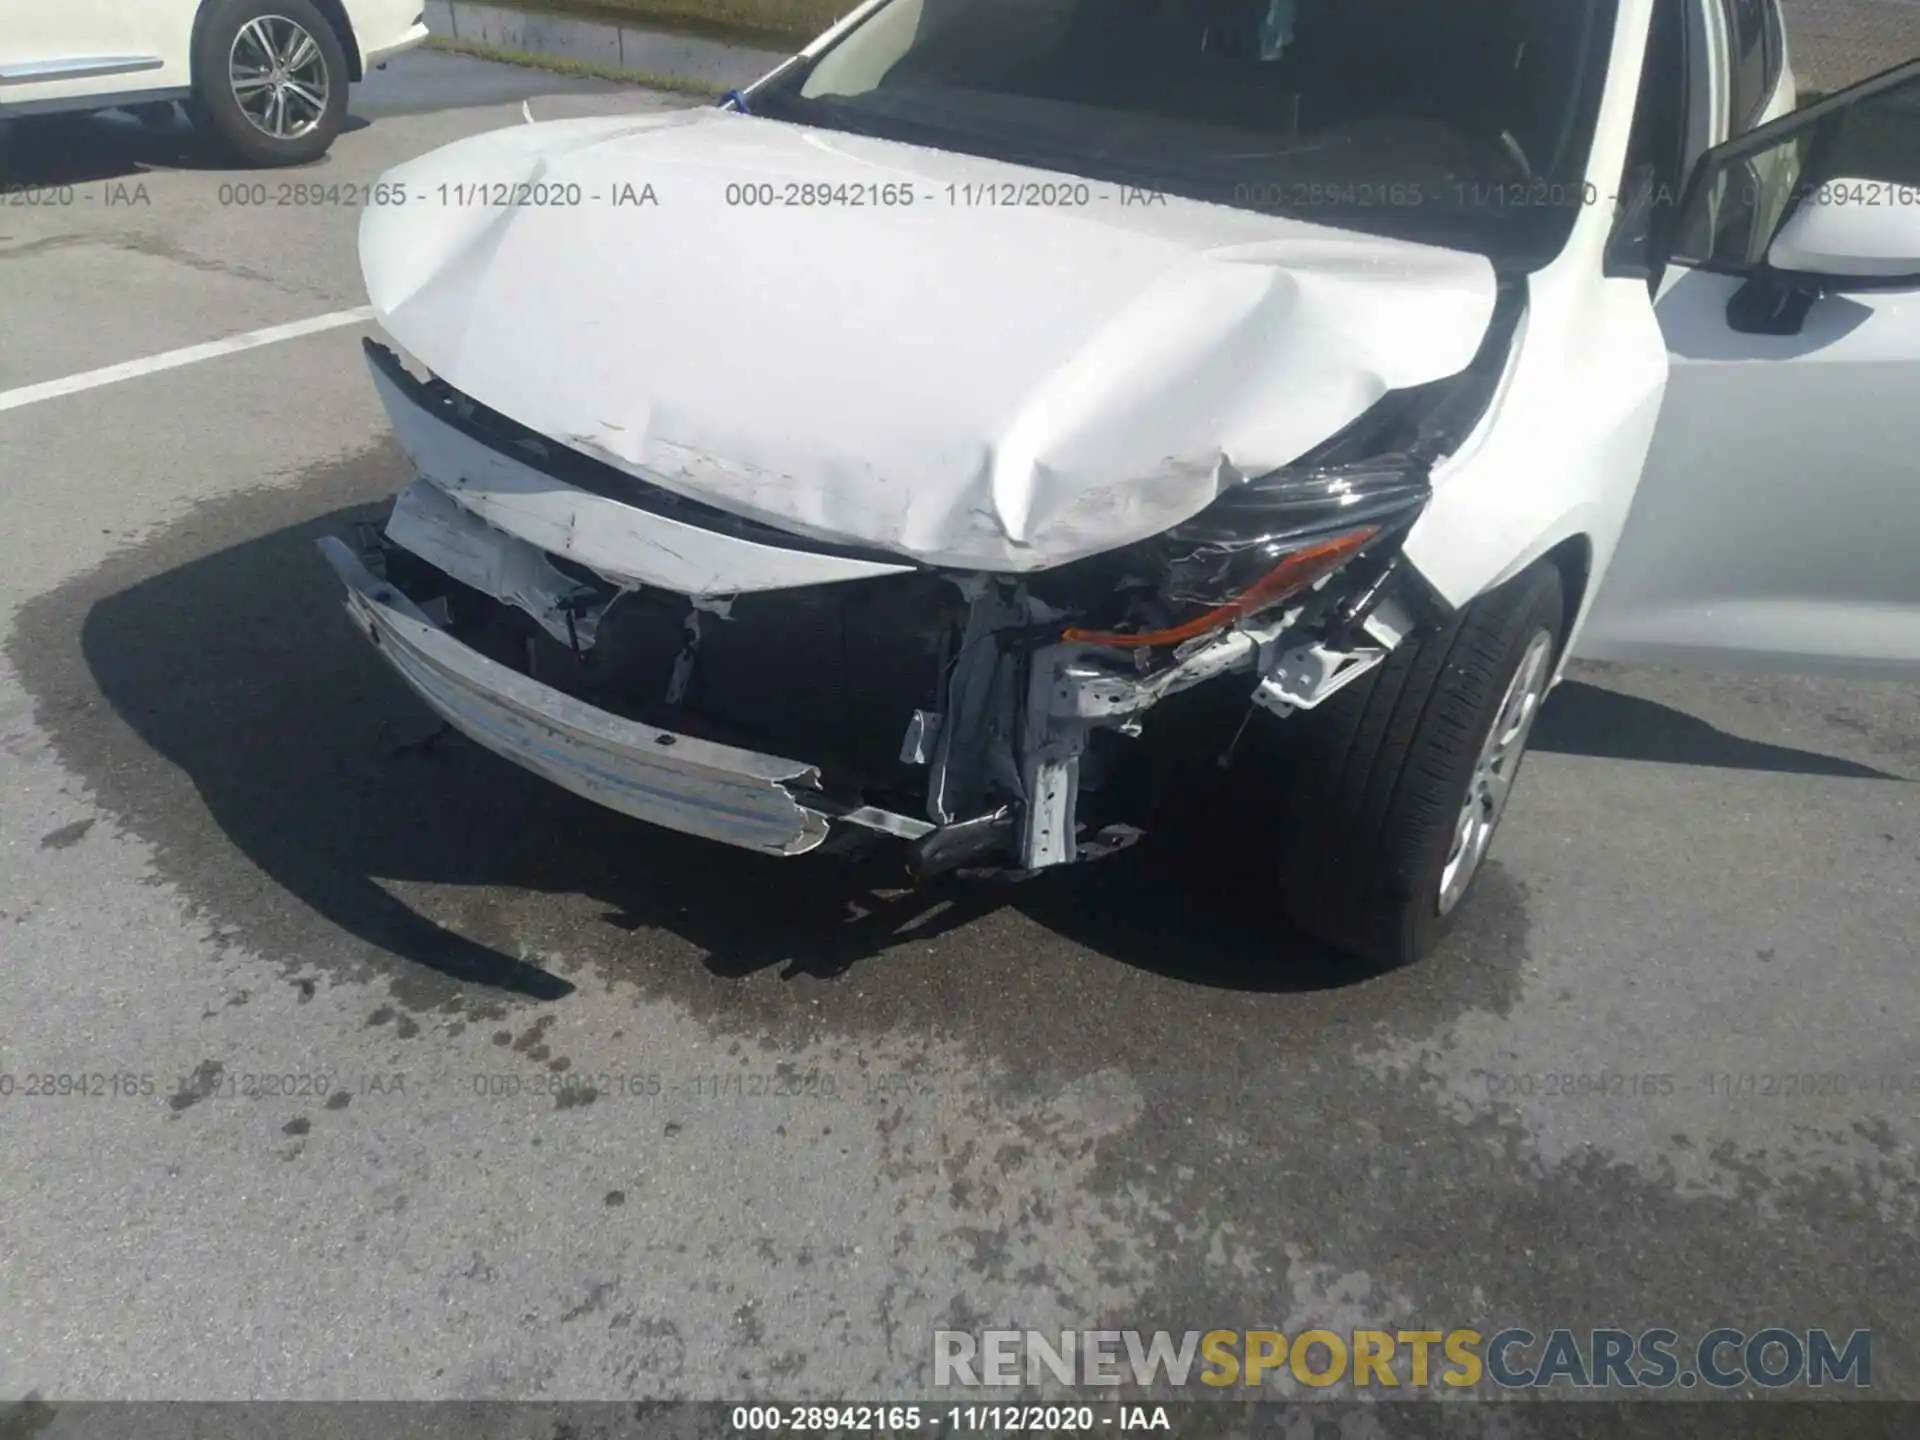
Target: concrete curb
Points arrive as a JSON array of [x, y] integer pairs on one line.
[[692, 61]]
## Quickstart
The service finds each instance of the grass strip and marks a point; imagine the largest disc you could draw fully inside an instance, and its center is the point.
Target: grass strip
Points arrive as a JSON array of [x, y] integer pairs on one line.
[[560, 65], [779, 24]]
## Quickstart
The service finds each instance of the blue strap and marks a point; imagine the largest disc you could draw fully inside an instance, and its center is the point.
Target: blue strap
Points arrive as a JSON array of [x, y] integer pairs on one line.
[[737, 99]]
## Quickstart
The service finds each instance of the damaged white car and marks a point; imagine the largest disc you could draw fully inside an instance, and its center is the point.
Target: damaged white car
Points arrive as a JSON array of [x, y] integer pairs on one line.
[[879, 451]]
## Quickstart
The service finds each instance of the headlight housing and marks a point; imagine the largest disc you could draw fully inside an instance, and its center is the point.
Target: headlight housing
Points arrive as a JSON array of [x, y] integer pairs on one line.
[[1267, 540], [1272, 537]]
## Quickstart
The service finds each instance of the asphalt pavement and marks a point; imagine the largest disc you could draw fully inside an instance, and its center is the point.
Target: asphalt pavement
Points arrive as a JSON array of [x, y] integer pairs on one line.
[[1833, 43], [426, 1080]]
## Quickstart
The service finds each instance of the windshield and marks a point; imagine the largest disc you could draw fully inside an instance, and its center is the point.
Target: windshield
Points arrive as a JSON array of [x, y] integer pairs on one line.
[[1464, 124]]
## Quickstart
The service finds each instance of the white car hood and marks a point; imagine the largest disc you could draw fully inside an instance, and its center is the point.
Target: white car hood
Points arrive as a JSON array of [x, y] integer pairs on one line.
[[994, 387]]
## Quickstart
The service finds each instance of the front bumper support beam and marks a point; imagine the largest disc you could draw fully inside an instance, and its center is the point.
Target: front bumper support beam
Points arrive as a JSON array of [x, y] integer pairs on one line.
[[757, 802]]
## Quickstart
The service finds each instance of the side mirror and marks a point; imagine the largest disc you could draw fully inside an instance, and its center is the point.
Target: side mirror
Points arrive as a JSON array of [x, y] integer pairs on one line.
[[1730, 216], [1852, 229]]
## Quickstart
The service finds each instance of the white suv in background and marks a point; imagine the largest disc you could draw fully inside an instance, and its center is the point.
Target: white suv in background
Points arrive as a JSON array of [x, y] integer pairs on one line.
[[269, 76]]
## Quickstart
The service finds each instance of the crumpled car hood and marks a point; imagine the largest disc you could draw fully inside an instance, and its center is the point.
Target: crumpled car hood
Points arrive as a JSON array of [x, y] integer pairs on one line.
[[985, 386]]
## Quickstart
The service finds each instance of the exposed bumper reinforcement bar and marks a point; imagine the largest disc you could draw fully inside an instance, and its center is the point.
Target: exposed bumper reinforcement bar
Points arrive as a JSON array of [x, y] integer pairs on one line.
[[677, 781]]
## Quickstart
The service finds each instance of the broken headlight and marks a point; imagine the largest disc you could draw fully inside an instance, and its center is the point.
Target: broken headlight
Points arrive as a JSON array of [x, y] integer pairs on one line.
[[1266, 541], [1273, 537]]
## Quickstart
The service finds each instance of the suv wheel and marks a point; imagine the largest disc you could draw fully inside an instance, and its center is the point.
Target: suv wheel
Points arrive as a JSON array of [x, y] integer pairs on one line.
[[271, 80], [1400, 781]]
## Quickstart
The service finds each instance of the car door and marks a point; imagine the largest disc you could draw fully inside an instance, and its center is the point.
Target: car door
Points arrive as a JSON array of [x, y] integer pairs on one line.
[[54, 53], [1777, 522]]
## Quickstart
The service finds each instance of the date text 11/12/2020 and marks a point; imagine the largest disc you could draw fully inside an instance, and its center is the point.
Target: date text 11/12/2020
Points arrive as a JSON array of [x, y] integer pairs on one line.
[[906, 1419]]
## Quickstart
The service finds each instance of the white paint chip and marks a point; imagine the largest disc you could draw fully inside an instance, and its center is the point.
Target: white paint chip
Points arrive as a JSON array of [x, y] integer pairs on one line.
[[175, 359]]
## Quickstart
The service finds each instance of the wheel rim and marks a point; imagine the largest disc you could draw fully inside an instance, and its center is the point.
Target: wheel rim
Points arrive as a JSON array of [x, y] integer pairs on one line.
[[279, 77], [1493, 773]]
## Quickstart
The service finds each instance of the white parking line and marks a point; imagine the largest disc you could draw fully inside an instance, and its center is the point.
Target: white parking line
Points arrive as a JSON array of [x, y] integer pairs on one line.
[[174, 359]]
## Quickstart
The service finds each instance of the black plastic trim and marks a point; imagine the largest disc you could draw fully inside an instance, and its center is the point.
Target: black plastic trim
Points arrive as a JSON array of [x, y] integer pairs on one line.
[[1771, 303]]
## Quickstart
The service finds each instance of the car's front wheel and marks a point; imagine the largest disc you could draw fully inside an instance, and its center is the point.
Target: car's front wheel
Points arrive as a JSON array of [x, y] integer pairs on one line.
[[1400, 781], [271, 80]]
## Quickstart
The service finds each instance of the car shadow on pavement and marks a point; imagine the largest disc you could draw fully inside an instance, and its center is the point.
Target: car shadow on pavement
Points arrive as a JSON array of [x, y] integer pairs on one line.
[[1582, 719], [47, 152], [338, 787]]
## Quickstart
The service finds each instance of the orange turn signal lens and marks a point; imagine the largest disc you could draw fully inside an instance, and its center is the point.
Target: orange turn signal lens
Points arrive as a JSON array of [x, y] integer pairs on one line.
[[1292, 575]]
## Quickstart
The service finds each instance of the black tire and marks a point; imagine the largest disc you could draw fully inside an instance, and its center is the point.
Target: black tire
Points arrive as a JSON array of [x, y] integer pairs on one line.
[[222, 109], [1380, 776]]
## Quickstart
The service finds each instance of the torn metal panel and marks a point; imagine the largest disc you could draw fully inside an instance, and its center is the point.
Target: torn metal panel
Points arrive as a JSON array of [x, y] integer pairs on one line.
[[678, 781], [427, 523], [1003, 389], [973, 752], [1075, 689], [626, 545]]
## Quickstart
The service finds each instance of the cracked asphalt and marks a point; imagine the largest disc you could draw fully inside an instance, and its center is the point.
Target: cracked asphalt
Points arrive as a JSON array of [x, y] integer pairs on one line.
[[423, 1079]]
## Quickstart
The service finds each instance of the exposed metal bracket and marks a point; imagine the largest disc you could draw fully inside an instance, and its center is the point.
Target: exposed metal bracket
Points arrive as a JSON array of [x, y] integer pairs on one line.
[[1388, 623], [923, 736], [1110, 840], [1050, 749], [952, 846], [1309, 675], [1304, 678], [870, 817]]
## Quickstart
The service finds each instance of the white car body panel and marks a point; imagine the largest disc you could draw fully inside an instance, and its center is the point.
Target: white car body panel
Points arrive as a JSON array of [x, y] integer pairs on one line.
[[1002, 389], [68, 50], [1778, 510], [1010, 390], [626, 545], [1710, 79], [81, 54], [1778, 523], [1555, 458], [1872, 241], [1746, 501], [385, 28]]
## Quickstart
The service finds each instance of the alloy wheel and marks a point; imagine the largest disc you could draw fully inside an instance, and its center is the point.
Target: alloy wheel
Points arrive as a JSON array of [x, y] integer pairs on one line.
[[1493, 772], [279, 77]]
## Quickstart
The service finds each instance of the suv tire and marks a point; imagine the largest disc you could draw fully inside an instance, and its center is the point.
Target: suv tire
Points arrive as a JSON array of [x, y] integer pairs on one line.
[[270, 80]]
